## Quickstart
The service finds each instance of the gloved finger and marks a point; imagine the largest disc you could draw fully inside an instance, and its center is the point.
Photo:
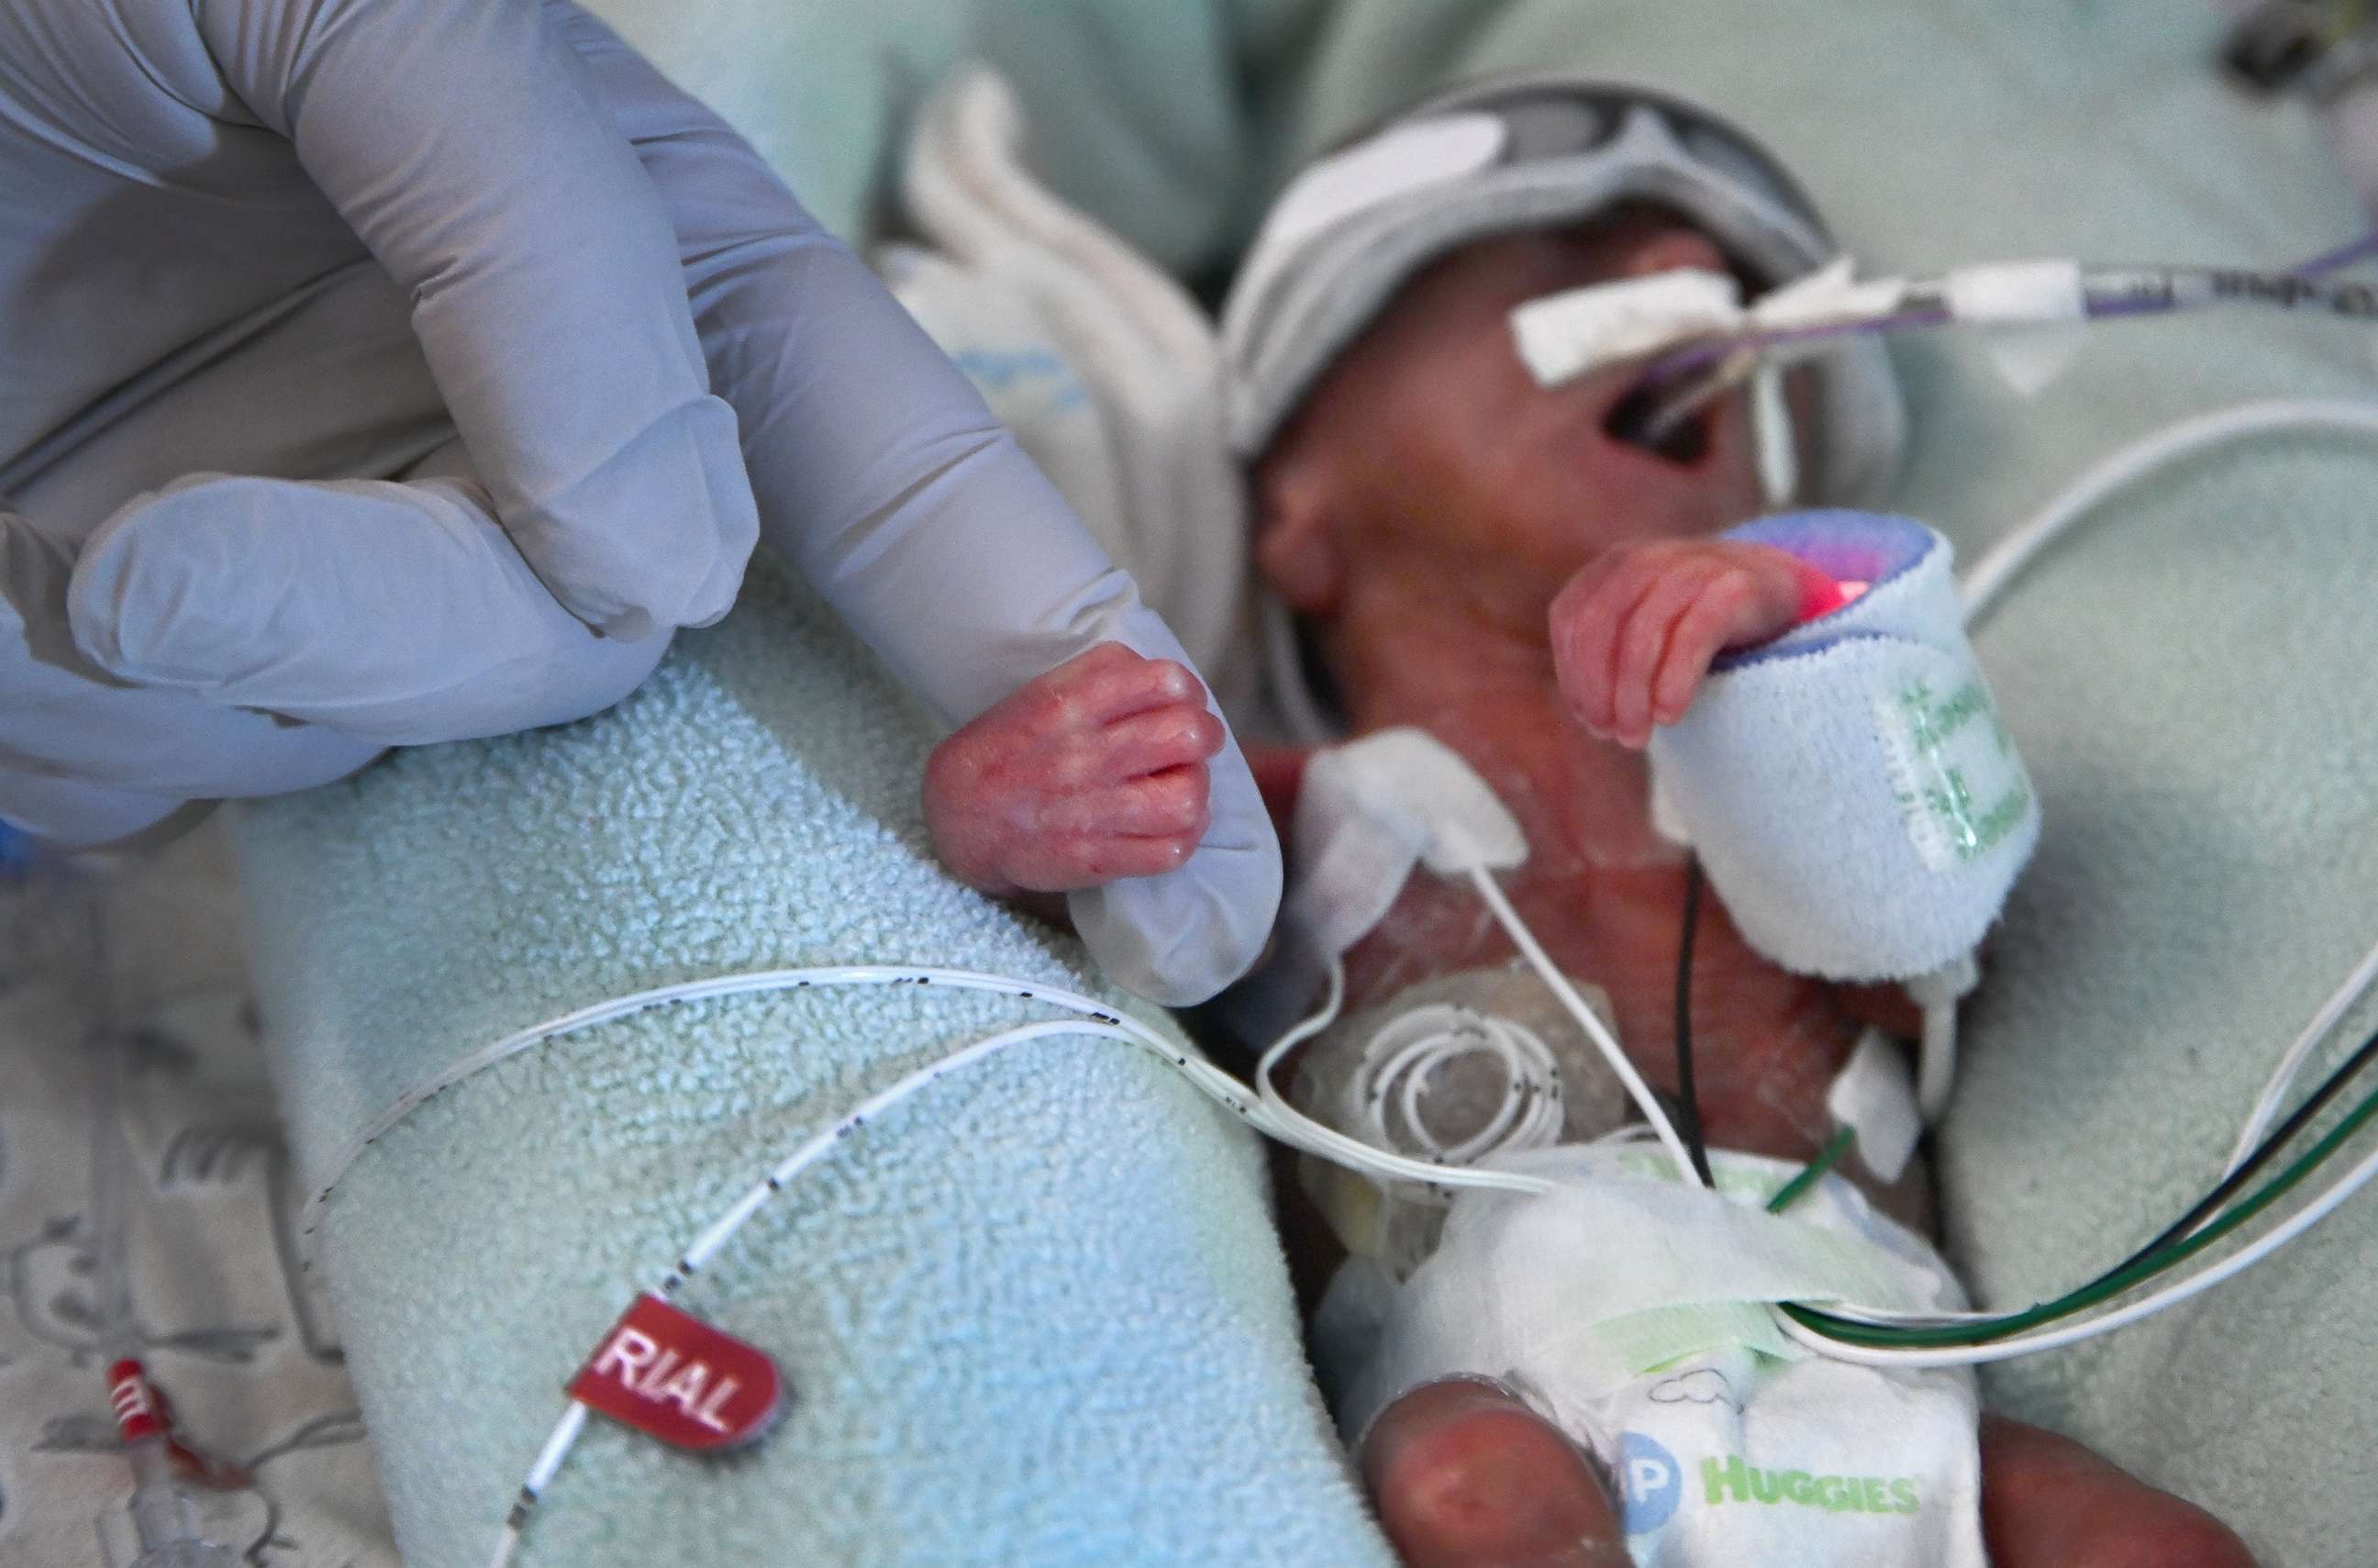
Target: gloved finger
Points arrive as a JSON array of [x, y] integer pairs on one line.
[[74, 814], [113, 751], [395, 613], [1465, 1475], [469, 149], [881, 474]]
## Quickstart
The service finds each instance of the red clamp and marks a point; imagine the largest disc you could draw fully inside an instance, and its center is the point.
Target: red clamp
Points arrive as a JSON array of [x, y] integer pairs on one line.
[[143, 1413]]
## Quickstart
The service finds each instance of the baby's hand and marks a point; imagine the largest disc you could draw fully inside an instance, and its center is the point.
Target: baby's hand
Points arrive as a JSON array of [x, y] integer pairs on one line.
[[1095, 771], [1635, 629]]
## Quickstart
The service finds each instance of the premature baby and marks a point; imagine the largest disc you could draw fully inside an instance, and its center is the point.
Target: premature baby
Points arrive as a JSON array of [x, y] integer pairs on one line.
[[1480, 558]]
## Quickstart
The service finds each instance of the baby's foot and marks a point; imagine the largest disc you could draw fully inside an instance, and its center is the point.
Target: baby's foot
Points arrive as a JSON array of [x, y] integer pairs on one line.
[[1465, 1475], [2048, 1503]]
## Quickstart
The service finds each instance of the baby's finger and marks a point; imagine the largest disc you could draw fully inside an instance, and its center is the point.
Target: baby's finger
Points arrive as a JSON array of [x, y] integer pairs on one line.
[[1174, 802], [1172, 736], [1725, 612], [1110, 683], [1587, 619], [1645, 642]]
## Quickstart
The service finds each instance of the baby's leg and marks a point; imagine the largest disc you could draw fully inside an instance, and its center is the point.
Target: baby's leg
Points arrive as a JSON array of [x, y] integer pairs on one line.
[[2048, 1503], [1465, 1475]]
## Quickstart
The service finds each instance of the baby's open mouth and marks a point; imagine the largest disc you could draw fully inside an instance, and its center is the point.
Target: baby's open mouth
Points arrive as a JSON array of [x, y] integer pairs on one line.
[[1646, 418]]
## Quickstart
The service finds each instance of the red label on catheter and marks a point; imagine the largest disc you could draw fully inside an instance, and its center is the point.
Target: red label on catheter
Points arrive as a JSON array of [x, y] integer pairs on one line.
[[670, 1375]]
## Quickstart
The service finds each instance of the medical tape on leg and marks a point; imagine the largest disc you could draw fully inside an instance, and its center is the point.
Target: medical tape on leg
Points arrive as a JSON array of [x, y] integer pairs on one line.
[[1858, 805]]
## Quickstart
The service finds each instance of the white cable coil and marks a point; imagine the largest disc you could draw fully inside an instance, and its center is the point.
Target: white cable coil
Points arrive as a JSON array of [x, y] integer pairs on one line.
[[1403, 1059]]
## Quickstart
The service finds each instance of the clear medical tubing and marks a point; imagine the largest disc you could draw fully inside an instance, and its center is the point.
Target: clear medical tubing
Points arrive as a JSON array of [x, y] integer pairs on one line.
[[2106, 293]]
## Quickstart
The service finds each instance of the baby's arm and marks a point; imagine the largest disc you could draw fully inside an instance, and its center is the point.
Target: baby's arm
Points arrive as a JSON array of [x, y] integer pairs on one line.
[[1096, 770], [1635, 629]]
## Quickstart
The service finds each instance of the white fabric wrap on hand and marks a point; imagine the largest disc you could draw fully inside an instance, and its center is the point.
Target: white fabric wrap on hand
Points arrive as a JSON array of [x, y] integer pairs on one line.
[[1857, 803]]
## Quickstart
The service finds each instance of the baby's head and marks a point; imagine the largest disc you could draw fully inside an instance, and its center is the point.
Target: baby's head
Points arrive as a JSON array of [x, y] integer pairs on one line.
[[1427, 447], [1377, 394]]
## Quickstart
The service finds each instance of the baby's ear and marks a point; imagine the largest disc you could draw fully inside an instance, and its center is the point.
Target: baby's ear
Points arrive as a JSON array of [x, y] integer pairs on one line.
[[1297, 546]]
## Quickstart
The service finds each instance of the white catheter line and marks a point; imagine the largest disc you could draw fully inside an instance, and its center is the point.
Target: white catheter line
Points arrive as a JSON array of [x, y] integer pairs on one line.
[[2012, 555], [1267, 1113]]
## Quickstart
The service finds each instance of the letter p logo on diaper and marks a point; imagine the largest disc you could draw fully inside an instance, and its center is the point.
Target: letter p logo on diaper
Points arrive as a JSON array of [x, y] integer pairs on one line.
[[1648, 1483]]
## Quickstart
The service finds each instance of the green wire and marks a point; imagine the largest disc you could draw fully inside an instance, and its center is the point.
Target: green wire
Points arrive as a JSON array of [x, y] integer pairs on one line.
[[1826, 1157], [1855, 1332]]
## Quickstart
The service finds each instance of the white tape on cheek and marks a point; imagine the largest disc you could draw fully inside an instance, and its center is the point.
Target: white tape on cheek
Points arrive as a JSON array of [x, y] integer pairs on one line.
[[1562, 336], [2016, 293]]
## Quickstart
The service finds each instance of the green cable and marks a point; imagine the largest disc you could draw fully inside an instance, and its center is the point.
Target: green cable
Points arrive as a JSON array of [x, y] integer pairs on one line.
[[1855, 1332], [1826, 1157]]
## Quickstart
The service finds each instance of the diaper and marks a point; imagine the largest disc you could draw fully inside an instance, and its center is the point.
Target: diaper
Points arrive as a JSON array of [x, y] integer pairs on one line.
[[1629, 1309]]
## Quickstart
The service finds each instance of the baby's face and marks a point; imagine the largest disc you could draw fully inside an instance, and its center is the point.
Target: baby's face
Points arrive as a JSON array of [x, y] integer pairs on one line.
[[1429, 449]]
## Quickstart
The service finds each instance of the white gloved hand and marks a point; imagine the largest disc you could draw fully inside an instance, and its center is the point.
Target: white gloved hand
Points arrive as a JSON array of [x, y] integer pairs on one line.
[[360, 358]]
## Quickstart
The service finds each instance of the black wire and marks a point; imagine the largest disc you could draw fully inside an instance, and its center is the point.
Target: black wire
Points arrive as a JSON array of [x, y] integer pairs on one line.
[[1688, 1110], [2264, 1153]]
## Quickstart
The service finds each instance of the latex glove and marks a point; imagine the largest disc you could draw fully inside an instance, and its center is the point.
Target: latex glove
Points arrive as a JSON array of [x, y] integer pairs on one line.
[[881, 474], [260, 257], [385, 223]]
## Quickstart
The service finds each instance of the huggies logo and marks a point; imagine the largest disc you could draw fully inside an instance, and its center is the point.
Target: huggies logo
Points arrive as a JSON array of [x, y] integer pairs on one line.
[[1735, 1481]]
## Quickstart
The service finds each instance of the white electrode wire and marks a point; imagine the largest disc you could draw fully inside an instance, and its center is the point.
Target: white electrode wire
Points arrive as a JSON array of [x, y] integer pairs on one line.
[[1215, 1082], [1595, 1031], [2266, 1110], [1283, 1121], [2275, 1093], [2072, 1333], [2012, 555]]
